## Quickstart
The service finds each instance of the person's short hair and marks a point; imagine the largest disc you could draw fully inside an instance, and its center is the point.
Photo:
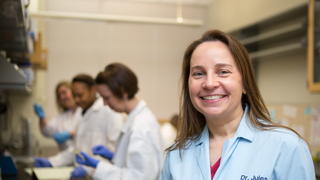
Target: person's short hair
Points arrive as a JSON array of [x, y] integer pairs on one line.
[[84, 78], [120, 79]]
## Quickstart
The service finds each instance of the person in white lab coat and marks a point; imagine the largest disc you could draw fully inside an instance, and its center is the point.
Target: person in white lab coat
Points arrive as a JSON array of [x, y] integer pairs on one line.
[[138, 153], [99, 126], [61, 128]]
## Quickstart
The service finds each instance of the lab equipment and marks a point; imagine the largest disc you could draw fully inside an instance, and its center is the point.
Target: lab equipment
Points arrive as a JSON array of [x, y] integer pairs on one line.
[[54, 173], [7, 166]]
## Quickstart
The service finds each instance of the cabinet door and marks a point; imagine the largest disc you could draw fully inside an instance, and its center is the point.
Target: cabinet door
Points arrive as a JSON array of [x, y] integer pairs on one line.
[[313, 52]]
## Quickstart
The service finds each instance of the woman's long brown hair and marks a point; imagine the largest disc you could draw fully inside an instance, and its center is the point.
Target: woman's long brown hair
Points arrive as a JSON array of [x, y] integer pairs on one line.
[[191, 122]]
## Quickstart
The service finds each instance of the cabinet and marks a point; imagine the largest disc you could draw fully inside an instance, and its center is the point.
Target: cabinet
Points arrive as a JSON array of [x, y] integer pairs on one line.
[[14, 29], [297, 29], [16, 45], [314, 46], [278, 34]]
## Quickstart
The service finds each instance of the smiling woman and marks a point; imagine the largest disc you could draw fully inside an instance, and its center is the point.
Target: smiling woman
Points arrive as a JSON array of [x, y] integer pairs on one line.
[[224, 126], [215, 84], [62, 128]]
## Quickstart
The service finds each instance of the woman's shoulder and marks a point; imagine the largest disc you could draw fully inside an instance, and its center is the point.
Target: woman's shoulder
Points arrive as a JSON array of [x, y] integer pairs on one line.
[[174, 155], [282, 136]]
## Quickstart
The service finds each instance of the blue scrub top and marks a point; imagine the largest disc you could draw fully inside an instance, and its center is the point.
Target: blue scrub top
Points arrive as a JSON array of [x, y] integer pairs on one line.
[[252, 154]]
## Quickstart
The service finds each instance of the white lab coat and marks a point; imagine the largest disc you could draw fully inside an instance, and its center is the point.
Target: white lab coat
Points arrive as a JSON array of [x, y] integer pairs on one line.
[[138, 154], [65, 121], [98, 126]]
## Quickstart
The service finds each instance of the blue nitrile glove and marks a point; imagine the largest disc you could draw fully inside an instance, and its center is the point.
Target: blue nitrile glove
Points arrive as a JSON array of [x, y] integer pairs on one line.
[[61, 137], [41, 162], [84, 159], [78, 172], [39, 111], [102, 151]]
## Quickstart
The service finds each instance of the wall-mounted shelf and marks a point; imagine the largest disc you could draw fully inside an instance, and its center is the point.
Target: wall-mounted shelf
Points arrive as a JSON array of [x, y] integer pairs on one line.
[[280, 33], [16, 45], [275, 50], [14, 37], [283, 32]]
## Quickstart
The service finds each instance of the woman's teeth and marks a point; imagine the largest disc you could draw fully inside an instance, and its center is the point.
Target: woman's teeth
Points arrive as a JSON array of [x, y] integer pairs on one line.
[[212, 97]]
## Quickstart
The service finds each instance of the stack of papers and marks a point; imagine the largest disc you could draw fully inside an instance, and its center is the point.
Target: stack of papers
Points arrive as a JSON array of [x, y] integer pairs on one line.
[[56, 173]]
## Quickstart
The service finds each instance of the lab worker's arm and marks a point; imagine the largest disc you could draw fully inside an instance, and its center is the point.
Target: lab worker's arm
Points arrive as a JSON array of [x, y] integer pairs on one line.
[[143, 161], [49, 127], [63, 158], [43, 120], [295, 162]]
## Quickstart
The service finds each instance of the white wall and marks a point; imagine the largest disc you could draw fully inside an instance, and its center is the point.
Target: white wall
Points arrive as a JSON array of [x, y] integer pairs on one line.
[[153, 51]]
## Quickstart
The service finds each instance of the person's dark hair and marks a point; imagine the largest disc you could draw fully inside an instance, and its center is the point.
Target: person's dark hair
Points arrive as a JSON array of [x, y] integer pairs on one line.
[[191, 122], [120, 80], [84, 78]]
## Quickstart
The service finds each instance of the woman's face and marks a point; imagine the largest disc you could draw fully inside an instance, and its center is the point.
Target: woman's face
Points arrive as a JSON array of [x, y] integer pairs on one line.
[[215, 83], [65, 97], [110, 99], [83, 95]]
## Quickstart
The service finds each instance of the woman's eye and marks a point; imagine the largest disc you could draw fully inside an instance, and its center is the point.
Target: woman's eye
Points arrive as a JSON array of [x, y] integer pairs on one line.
[[224, 72], [197, 74]]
